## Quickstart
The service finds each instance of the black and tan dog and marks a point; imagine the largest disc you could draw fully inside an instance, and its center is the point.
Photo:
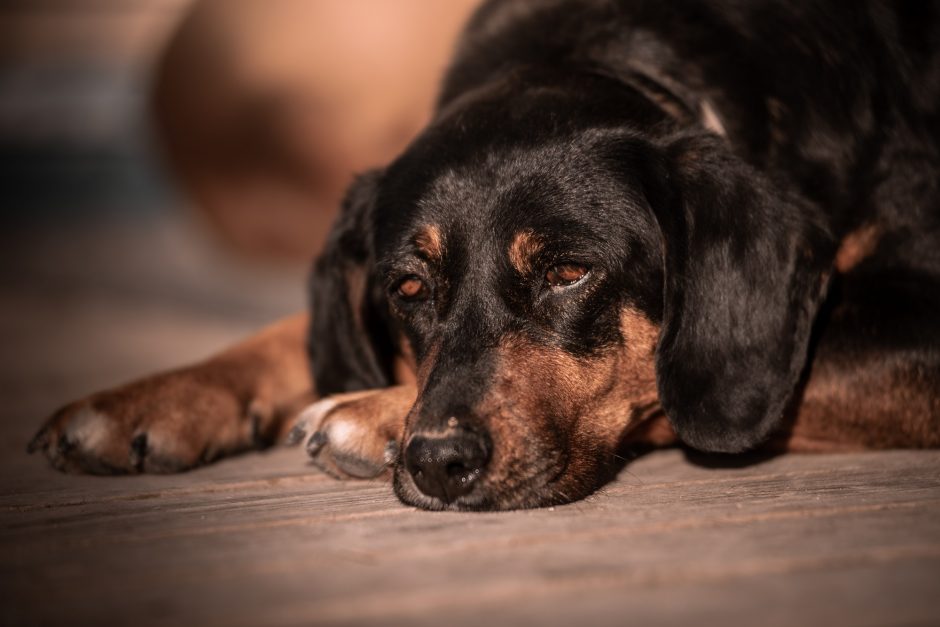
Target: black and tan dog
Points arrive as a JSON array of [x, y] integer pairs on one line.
[[629, 221]]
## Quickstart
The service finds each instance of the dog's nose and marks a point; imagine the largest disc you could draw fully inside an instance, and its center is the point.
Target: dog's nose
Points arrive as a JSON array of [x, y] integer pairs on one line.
[[446, 465]]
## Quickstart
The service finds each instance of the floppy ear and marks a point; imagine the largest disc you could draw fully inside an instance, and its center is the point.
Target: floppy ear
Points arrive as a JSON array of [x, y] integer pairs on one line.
[[746, 268], [349, 342]]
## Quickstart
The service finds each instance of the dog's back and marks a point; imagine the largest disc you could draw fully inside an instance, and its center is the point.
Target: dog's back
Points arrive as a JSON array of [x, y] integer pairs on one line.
[[841, 100]]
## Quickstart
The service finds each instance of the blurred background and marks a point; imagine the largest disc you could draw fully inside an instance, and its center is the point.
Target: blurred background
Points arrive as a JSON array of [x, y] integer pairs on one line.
[[168, 168]]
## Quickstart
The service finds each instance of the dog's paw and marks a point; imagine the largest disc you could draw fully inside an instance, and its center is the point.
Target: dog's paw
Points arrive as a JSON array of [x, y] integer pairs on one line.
[[355, 435], [167, 423]]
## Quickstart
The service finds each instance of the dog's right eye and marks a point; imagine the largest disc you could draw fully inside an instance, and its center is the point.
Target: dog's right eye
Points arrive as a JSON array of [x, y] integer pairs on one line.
[[412, 288], [565, 274]]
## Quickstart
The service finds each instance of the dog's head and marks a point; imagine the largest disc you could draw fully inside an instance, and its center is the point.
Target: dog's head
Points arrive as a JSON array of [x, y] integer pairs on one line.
[[557, 272]]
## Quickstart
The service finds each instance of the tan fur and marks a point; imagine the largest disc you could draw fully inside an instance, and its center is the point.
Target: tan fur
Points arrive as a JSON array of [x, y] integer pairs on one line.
[[873, 405], [545, 403], [429, 243], [634, 374], [227, 403], [360, 431], [524, 247], [856, 246]]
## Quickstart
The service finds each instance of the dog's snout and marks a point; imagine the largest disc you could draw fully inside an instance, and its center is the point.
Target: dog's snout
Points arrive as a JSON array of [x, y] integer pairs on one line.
[[446, 465]]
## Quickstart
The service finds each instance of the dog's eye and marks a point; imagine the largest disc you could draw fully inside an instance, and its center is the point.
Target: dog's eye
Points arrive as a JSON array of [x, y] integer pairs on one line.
[[565, 274], [412, 288]]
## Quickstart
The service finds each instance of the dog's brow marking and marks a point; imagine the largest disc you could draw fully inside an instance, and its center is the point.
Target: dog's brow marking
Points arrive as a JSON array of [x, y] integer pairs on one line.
[[525, 245], [856, 246], [429, 242]]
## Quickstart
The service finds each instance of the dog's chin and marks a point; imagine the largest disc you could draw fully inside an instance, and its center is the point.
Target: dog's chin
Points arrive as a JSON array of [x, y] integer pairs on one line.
[[485, 497]]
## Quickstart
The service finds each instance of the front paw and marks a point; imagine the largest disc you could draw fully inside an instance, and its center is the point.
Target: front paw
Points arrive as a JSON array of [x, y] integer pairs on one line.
[[163, 424], [355, 435]]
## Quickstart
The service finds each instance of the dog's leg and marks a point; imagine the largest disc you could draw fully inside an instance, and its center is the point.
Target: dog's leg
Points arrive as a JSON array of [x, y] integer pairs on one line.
[[236, 400], [356, 435], [875, 380]]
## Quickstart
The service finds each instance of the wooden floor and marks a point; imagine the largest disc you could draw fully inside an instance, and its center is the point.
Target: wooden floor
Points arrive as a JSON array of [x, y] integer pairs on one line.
[[266, 540]]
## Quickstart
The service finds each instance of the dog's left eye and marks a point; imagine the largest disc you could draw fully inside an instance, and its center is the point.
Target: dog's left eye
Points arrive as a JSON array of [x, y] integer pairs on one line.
[[412, 288], [564, 274]]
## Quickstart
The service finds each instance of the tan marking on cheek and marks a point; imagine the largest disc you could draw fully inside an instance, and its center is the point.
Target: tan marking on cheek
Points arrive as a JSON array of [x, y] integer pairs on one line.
[[856, 246], [640, 336], [548, 403], [429, 242], [632, 383], [535, 392], [525, 245]]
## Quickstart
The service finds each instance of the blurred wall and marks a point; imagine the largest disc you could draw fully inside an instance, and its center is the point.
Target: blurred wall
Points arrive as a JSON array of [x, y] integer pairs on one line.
[[74, 81], [257, 113], [267, 109]]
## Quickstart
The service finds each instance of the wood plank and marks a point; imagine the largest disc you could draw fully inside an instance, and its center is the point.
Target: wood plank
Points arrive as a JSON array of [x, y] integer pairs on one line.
[[306, 546]]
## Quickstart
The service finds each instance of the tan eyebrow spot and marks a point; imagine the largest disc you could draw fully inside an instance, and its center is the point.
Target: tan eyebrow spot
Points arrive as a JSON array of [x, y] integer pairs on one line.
[[525, 245], [856, 246], [429, 242]]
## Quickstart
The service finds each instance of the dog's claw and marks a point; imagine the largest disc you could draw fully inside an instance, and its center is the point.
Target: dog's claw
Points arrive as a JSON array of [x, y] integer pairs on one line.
[[296, 435], [315, 443]]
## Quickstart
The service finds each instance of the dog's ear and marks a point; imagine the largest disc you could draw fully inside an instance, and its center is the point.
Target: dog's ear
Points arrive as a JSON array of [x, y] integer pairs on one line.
[[745, 271], [349, 342]]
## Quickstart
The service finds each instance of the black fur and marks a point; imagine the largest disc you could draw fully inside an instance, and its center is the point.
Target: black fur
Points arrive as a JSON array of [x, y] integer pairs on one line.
[[745, 267], [349, 345], [587, 120]]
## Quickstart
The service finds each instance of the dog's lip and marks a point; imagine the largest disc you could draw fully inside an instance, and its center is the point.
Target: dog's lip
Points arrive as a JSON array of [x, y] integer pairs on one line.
[[482, 498], [408, 492]]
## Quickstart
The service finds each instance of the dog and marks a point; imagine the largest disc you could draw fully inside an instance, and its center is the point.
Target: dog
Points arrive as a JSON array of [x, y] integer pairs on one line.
[[630, 223]]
